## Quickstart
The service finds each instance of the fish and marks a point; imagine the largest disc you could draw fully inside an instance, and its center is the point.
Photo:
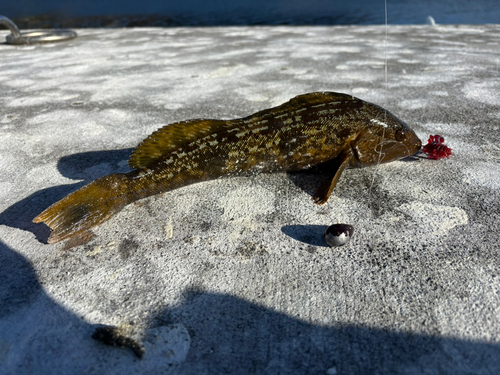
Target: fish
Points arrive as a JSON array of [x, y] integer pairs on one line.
[[308, 130]]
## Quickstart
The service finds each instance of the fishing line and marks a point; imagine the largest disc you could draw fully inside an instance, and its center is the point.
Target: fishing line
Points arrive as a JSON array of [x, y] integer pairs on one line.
[[385, 110]]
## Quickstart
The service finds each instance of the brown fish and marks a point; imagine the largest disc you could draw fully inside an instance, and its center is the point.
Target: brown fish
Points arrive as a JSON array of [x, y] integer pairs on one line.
[[308, 130]]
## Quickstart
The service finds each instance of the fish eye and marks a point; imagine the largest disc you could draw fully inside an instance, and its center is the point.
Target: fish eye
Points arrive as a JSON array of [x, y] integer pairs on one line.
[[400, 135]]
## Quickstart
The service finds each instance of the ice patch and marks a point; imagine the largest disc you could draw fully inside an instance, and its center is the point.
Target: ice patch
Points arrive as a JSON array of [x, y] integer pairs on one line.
[[443, 129], [413, 104], [227, 71], [45, 176], [485, 174], [5, 188], [439, 93], [359, 90], [167, 345], [438, 219], [246, 202], [482, 92]]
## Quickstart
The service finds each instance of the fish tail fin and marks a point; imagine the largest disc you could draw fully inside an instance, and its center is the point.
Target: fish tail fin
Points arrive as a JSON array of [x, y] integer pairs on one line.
[[85, 208]]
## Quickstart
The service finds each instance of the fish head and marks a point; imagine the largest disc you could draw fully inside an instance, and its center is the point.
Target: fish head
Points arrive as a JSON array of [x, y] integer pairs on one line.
[[384, 139]]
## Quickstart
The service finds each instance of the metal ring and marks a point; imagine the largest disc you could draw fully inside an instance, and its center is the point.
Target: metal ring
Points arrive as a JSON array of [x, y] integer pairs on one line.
[[34, 37]]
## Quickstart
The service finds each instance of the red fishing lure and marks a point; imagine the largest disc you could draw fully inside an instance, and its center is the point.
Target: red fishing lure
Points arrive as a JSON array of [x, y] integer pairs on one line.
[[436, 149]]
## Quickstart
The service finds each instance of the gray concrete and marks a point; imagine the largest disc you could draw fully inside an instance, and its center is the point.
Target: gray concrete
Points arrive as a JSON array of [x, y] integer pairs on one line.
[[233, 276]]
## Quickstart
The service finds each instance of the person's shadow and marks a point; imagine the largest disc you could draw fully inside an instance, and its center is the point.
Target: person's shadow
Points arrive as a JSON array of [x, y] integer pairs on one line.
[[85, 167], [214, 333], [39, 336]]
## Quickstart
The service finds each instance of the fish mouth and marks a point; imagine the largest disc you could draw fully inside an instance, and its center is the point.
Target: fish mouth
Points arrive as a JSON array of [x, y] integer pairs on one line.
[[417, 145]]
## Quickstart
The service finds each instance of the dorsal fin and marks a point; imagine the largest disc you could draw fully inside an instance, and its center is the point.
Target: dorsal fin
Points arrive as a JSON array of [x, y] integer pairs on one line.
[[319, 97], [174, 136], [170, 138], [309, 99]]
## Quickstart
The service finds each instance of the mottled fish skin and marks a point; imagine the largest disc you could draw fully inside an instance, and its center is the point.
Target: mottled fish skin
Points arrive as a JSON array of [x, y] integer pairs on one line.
[[308, 130]]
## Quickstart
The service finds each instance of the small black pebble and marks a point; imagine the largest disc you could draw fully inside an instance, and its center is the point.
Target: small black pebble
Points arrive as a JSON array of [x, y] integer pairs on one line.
[[338, 234]]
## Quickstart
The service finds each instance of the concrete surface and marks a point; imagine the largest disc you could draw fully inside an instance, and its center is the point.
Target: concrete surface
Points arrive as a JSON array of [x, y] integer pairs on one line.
[[232, 276]]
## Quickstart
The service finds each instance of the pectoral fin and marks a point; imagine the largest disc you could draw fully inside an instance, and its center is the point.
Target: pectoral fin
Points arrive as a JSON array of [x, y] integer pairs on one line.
[[325, 190]]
